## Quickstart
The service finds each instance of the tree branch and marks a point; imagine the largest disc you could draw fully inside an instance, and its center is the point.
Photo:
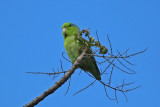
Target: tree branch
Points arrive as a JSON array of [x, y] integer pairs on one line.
[[59, 83]]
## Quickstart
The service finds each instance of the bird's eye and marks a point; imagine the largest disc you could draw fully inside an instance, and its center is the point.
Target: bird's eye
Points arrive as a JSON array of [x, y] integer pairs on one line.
[[70, 25]]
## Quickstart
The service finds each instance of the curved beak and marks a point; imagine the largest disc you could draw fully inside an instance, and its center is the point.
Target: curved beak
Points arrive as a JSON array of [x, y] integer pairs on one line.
[[64, 31]]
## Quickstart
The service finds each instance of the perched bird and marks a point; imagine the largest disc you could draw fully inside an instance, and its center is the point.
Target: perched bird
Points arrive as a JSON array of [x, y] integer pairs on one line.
[[74, 48]]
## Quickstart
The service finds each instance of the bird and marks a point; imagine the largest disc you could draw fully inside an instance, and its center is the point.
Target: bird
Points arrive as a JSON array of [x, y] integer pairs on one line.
[[74, 48]]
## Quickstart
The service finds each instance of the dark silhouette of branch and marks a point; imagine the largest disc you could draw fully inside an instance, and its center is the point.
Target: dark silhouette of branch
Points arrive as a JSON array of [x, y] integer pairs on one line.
[[59, 83]]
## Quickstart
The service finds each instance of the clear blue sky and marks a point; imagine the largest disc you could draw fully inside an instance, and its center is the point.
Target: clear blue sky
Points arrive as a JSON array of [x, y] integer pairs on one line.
[[31, 41]]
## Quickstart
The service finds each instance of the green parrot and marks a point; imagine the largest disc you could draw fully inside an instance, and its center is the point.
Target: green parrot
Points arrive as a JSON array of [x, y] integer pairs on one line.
[[74, 48]]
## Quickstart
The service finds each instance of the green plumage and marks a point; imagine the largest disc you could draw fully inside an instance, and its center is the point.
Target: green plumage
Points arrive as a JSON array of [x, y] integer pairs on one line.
[[74, 48]]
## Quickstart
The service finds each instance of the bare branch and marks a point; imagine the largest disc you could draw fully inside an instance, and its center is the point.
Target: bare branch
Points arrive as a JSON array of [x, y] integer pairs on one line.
[[110, 59], [58, 83]]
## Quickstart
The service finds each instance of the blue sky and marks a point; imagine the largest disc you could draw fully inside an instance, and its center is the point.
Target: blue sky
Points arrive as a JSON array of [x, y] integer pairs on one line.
[[31, 41]]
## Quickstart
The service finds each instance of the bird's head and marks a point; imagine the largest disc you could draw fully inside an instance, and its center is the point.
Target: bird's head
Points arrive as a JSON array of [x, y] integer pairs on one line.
[[69, 29]]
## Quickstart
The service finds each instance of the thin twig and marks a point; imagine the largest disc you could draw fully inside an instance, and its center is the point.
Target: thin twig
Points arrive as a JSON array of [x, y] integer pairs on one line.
[[68, 86], [124, 58], [116, 96], [111, 75], [138, 52], [85, 88], [65, 57], [128, 56], [110, 44], [107, 94], [125, 96], [125, 66], [47, 73], [120, 68], [97, 36]]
